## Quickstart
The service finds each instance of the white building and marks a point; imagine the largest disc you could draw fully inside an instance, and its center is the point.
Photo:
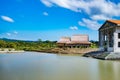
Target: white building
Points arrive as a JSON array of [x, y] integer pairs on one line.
[[109, 36]]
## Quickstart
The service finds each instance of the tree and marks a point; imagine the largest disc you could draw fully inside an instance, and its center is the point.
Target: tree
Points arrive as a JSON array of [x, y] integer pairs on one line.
[[11, 45], [2, 44]]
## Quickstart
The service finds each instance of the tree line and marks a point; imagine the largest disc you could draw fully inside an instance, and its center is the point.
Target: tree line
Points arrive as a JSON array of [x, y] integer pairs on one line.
[[27, 45]]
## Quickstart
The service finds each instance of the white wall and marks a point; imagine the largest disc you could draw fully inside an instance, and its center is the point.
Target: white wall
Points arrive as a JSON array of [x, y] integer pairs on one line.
[[116, 40]]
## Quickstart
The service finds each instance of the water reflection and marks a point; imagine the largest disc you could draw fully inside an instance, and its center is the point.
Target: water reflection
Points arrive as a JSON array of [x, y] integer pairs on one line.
[[36, 66]]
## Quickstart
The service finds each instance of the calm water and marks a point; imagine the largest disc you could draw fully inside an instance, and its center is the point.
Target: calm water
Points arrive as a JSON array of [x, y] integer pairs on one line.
[[42, 66]]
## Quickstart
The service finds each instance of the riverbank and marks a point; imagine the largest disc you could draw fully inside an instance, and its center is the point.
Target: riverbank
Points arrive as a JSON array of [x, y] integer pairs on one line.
[[103, 55], [53, 50], [68, 50], [20, 51], [96, 54], [85, 52], [10, 50]]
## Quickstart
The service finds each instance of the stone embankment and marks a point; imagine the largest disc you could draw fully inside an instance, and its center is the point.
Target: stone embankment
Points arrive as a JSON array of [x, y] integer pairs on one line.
[[103, 55]]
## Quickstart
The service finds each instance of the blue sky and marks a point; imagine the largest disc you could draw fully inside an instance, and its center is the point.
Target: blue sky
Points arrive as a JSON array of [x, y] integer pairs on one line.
[[51, 19]]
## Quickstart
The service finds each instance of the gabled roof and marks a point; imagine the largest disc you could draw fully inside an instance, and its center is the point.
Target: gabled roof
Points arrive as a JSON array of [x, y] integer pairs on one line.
[[79, 42], [80, 38], [116, 22], [75, 39], [64, 40]]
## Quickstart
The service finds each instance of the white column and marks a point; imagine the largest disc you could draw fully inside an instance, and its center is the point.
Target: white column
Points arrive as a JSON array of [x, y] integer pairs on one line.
[[101, 41], [107, 39], [115, 42]]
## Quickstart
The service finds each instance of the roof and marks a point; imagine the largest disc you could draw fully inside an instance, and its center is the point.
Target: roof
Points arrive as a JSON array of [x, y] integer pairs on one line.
[[75, 39], [64, 40], [78, 42], [80, 38], [114, 21]]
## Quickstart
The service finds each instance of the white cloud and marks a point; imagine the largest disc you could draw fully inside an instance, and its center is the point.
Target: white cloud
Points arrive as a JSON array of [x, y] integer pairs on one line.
[[46, 2], [100, 17], [8, 19], [45, 13], [8, 34], [91, 24], [74, 28], [69, 4], [15, 32], [95, 8], [81, 23]]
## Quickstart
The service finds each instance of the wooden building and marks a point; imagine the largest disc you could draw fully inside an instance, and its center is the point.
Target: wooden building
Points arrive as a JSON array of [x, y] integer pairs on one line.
[[62, 42], [76, 41], [109, 36]]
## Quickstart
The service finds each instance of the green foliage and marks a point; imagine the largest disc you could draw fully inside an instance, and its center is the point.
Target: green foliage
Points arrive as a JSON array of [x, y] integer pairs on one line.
[[28, 45], [93, 45], [2, 44], [11, 45]]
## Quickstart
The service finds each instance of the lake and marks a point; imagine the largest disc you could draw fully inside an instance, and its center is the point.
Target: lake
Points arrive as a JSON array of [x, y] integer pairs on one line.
[[44, 66]]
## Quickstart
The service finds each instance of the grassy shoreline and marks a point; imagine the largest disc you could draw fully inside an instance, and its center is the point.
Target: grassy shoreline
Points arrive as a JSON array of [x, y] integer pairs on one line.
[[67, 51], [52, 50]]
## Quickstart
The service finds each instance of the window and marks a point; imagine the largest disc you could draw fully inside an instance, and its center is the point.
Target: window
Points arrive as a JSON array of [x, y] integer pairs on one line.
[[118, 35], [110, 40], [118, 44]]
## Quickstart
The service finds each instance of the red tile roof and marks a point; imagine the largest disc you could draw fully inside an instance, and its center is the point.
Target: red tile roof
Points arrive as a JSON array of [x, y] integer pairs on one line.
[[114, 21], [111, 21]]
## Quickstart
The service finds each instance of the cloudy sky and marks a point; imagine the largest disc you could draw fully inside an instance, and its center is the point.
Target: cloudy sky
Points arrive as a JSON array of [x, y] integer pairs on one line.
[[51, 19]]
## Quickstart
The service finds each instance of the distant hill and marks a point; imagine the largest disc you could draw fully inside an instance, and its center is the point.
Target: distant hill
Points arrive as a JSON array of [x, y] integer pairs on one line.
[[14, 40]]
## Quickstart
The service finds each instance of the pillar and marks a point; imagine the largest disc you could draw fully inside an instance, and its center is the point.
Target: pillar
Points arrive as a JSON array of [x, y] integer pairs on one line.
[[115, 42], [101, 40], [107, 39]]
